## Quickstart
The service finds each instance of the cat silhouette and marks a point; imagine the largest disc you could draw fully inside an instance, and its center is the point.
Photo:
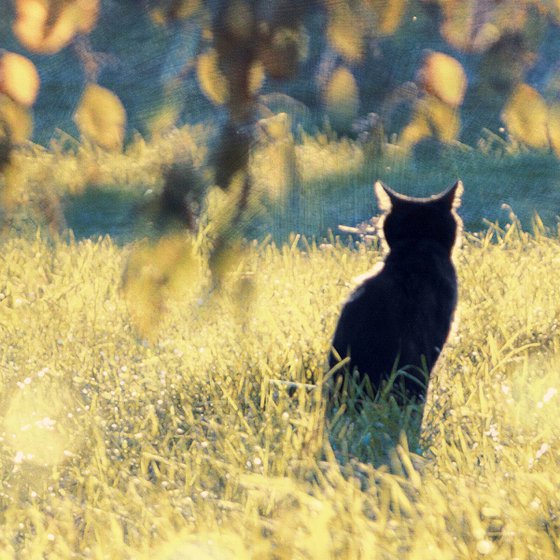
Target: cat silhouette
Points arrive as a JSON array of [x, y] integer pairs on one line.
[[395, 323]]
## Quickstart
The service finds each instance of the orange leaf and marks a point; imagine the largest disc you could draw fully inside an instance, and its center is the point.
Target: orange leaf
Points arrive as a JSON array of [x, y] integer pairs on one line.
[[525, 116], [101, 117], [388, 15], [46, 26], [341, 97], [443, 76], [19, 78]]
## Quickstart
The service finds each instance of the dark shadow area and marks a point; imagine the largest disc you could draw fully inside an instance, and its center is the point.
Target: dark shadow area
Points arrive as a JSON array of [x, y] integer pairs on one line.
[[96, 212]]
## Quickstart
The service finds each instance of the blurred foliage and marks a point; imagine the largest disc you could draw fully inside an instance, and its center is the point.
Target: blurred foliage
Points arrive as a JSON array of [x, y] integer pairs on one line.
[[19, 78], [17, 120], [526, 117], [342, 18], [353, 23], [156, 273], [442, 83], [16, 125], [240, 51], [432, 118], [475, 25], [19, 85], [443, 76], [213, 82], [341, 97], [245, 44], [276, 143], [101, 117], [388, 15], [172, 10], [554, 127], [46, 26]]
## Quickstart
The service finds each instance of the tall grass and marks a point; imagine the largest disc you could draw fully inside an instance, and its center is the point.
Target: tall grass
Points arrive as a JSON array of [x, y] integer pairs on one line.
[[190, 447]]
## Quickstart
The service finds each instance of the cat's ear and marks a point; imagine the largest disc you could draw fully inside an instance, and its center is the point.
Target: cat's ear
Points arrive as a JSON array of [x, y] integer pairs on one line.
[[451, 198], [386, 198]]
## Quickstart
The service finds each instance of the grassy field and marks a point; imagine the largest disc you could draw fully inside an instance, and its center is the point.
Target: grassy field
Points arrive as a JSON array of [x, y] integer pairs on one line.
[[189, 446], [100, 192], [147, 412], [183, 442]]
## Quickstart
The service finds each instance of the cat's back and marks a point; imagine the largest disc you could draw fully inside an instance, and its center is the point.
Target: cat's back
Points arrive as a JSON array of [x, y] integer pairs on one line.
[[368, 324], [415, 287], [420, 273], [402, 313]]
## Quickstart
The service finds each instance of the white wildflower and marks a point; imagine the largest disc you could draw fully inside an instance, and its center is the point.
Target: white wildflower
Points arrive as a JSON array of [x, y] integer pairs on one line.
[[551, 392], [543, 449]]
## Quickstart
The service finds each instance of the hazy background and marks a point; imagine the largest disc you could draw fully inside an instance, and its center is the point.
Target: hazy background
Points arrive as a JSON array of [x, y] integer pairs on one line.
[[141, 58]]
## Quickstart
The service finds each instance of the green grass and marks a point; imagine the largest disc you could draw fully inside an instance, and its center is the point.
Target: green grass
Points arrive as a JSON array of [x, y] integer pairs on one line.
[[189, 446]]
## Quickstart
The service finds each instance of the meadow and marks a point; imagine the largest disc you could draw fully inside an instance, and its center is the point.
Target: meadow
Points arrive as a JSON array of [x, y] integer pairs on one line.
[[186, 444], [100, 192]]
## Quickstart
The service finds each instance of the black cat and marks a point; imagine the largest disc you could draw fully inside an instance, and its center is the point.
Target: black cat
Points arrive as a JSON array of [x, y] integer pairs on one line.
[[399, 317]]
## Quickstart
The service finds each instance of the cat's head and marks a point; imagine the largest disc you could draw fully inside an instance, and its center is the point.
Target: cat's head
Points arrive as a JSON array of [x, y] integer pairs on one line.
[[407, 219]]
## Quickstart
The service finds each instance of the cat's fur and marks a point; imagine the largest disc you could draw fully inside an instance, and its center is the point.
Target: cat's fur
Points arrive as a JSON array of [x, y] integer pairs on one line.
[[400, 317]]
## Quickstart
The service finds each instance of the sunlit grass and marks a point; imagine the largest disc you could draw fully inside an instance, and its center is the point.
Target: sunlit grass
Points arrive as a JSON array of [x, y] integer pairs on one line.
[[330, 177], [190, 447]]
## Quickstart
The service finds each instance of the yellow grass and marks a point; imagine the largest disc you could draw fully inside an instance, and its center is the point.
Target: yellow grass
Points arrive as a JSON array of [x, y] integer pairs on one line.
[[189, 446]]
